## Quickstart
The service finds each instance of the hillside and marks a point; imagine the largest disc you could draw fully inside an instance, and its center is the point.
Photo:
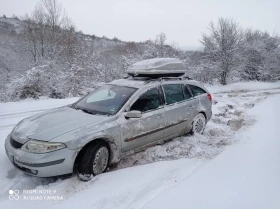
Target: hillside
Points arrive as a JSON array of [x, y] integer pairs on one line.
[[78, 58], [13, 57], [13, 53], [68, 63]]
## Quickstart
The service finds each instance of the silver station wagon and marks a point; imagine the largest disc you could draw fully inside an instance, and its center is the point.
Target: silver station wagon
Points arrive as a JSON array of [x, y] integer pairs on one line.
[[155, 103]]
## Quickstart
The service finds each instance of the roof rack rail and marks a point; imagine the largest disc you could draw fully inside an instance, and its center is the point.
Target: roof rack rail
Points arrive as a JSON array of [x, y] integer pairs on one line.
[[168, 78], [125, 76]]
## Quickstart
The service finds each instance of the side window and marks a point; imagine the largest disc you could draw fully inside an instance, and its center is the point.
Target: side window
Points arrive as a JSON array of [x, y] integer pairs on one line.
[[150, 100], [187, 92], [173, 93], [196, 90]]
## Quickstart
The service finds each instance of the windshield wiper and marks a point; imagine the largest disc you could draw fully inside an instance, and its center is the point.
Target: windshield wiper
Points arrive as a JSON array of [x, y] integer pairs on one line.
[[87, 111], [92, 112], [84, 110], [72, 106]]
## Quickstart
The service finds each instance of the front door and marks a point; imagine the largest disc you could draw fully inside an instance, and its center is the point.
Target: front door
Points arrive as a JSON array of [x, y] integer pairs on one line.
[[137, 132]]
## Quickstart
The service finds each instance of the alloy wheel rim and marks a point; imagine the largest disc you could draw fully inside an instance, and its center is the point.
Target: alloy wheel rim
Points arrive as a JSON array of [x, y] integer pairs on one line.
[[199, 124], [100, 160]]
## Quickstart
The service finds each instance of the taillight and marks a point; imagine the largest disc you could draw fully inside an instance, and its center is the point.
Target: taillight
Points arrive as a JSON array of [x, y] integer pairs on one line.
[[209, 97]]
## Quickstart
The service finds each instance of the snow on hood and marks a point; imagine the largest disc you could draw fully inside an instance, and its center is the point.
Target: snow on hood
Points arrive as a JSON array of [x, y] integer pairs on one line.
[[51, 124]]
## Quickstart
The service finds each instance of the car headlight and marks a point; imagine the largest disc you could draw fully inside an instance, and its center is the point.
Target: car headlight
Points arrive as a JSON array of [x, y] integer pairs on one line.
[[35, 146]]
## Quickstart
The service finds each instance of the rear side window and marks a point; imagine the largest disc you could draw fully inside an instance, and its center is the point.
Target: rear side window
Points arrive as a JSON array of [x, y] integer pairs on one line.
[[196, 90], [173, 93], [150, 100]]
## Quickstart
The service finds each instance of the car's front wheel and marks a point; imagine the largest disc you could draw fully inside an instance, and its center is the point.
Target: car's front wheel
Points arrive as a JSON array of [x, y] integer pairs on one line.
[[198, 124], [94, 161]]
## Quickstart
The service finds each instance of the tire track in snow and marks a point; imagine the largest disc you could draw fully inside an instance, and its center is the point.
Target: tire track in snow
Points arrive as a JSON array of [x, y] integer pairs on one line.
[[19, 115], [6, 126], [15, 114], [244, 91], [164, 183]]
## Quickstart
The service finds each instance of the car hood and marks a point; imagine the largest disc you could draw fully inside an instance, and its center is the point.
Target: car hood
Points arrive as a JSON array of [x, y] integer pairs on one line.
[[51, 124]]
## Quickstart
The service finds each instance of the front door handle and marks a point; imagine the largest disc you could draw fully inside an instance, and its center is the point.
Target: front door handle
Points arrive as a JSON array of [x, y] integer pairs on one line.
[[159, 116]]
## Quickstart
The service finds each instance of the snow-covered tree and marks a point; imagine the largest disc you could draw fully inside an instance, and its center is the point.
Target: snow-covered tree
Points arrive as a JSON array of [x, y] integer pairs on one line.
[[260, 56], [222, 44]]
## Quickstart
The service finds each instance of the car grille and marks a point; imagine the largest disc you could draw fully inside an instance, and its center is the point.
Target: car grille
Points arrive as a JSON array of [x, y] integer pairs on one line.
[[15, 144]]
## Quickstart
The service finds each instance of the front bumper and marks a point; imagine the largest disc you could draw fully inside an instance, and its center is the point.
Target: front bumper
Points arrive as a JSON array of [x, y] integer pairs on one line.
[[50, 164]]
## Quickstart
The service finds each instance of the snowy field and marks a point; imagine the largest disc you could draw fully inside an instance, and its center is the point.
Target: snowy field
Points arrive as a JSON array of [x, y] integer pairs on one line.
[[235, 164]]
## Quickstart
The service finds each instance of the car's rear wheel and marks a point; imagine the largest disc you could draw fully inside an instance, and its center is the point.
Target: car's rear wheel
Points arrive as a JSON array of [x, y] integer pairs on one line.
[[94, 161], [198, 124]]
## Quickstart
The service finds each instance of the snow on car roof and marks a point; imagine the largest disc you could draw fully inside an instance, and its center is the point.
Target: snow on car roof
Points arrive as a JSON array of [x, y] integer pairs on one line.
[[157, 66], [135, 83], [139, 82]]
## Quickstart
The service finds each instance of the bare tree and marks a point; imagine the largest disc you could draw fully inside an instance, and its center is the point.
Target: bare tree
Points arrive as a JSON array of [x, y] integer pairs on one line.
[[222, 45], [70, 44], [39, 19], [31, 38], [56, 19], [49, 31]]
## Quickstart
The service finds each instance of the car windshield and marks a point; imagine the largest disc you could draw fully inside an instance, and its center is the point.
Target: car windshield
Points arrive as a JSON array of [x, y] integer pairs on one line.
[[106, 100]]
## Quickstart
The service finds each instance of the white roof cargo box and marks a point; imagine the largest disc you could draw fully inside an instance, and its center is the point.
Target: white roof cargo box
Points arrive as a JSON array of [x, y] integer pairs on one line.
[[157, 67]]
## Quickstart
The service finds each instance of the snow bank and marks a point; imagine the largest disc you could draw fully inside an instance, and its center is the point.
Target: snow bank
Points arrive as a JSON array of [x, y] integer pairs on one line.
[[244, 176], [245, 86]]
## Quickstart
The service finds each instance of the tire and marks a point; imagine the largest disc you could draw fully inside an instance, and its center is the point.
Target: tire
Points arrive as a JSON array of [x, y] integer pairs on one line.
[[94, 161], [198, 124]]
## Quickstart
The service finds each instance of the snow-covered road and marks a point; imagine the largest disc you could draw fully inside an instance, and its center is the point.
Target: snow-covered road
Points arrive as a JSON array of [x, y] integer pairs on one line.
[[234, 165]]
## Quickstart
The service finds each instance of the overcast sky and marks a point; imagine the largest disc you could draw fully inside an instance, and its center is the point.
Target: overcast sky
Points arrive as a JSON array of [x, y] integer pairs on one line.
[[182, 21]]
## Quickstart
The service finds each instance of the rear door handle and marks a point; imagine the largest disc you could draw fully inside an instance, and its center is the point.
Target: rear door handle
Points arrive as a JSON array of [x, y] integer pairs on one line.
[[191, 106]]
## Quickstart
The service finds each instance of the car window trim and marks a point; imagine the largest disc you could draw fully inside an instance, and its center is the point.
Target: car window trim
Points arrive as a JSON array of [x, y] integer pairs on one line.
[[160, 107], [162, 95], [189, 90]]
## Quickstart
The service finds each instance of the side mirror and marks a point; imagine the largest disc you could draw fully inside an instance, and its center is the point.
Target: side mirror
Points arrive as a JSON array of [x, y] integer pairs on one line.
[[133, 114]]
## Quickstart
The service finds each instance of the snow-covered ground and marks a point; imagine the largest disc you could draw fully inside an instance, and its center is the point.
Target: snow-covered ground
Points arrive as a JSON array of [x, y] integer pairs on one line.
[[236, 164], [245, 175]]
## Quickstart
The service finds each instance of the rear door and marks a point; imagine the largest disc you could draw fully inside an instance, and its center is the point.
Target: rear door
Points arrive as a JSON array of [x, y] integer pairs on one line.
[[178, 106]]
